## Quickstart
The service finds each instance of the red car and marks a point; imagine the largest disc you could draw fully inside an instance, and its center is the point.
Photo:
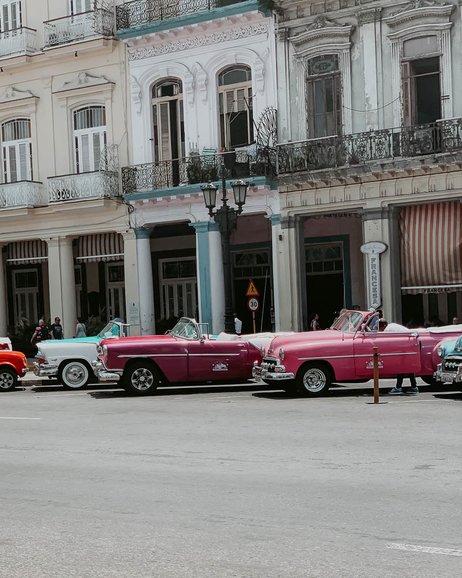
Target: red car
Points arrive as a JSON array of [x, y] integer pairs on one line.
[[13, 364], [186, 354]]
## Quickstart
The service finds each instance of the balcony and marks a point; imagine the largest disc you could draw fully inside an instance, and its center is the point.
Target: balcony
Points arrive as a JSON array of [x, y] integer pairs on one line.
[[443, 136], [20, 41], [78, 27], [22, 194], [96, 185], [144, 12], [195, 169]]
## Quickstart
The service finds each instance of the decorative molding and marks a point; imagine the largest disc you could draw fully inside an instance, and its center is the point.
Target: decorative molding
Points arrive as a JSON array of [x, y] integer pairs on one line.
[[319, 34], [12, 93], [369, 16], [137, 94], [239, 33], [84, 79], [419, 13], [202, 81]]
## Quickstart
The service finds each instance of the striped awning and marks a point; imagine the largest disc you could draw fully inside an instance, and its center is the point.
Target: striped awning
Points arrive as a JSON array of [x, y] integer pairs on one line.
[[100, 247], [27, 252], [431, 248]]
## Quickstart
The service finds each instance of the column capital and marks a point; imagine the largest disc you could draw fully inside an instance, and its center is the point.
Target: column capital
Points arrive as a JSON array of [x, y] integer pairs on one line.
[[205, 226], [127, 235], [143, 232], [376, 213], [275, 219]]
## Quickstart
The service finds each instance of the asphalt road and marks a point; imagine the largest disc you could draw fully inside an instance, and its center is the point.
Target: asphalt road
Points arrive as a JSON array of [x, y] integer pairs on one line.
[[230, 482]]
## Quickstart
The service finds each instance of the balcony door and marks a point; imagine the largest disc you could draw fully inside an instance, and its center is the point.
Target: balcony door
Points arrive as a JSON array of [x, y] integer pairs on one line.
[[324, 106], [115, 290], [26, 294], [236, 107], [89, 138], [79, 6], [10, 15], [16, 151], [168, 121]]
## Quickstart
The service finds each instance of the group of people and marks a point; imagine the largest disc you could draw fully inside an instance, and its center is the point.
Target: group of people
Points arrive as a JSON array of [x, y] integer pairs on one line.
[[55, 331]]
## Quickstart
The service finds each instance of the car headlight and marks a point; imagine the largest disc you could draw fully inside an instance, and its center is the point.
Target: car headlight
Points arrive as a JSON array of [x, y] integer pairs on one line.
[[440, 351], [281, 354], [104, 350]]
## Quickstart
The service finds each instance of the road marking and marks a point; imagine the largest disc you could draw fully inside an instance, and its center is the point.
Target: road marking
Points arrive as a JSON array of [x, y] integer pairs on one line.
[[20, 418], [425, 549]]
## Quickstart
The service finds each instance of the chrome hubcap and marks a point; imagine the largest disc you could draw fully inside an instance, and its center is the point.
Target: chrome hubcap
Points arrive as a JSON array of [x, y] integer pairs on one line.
[[75, 375], [6, 380], [314, 380], [142, 379]]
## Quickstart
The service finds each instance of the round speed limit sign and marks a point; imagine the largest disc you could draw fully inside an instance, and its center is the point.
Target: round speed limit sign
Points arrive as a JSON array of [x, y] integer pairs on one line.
[[253, 304]]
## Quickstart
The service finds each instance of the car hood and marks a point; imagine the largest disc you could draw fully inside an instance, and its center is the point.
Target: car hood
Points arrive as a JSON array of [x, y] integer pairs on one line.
[[452, 346], [305, 338], [54, 342], [142, 340]]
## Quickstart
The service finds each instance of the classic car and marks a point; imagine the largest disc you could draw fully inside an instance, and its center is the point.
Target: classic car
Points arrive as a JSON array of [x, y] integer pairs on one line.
[[449, 370], [308, 363], [13, 364], [186, 354], [70, 359]]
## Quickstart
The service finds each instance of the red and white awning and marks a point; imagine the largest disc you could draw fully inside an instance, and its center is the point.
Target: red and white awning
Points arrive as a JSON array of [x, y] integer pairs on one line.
[[431, 248], [27, 252], [100, 247]]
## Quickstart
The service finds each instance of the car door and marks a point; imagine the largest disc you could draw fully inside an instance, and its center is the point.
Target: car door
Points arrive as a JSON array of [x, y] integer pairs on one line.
[[211, 360], [398, 353]]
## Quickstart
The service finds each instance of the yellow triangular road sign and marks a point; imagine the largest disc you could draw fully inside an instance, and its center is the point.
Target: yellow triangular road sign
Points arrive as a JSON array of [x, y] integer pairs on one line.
[[252, 291]]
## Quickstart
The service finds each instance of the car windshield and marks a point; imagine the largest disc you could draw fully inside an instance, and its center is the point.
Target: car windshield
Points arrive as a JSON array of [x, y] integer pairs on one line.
[[348, 321], [113, 329], [185, 328]]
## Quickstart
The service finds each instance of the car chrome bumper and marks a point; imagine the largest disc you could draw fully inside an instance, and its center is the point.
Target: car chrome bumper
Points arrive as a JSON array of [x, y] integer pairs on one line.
[[44, 369], [265, 374], [103, 374], [448, 376]]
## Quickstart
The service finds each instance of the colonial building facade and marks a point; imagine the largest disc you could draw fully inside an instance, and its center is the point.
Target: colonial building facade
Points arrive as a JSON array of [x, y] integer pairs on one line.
[[67, 246]]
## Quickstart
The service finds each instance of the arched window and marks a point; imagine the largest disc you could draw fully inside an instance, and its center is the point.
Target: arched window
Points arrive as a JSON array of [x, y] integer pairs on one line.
[[235, 105], [17, 150], [324, 97], [168, 121], [89, 137]]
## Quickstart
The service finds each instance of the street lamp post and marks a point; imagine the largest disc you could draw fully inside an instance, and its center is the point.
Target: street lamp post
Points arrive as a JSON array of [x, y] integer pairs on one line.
[[226, 217]]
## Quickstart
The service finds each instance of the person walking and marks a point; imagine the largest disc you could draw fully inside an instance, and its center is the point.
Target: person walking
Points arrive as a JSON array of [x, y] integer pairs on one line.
[[398, 389], [56, 329], [80, 329], [41, 333]]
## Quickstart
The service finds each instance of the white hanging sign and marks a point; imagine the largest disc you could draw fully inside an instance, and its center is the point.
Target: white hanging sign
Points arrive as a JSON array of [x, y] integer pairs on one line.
[[373, 251]]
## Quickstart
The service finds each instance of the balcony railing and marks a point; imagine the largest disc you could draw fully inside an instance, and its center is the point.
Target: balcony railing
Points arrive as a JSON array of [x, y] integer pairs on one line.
[[140, 12], [357, 149], [18, 41], [22, 194], [78, 27], [95, 185], [195, 169]]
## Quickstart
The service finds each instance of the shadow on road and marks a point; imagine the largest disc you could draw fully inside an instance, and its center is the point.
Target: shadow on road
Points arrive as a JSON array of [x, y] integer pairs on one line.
[[183, 390]]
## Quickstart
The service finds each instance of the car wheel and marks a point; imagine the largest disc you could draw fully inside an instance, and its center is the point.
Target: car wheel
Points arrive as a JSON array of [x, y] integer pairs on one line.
[[74, 374], [429, 381], [313, 379], [141, 378], [8, 379]]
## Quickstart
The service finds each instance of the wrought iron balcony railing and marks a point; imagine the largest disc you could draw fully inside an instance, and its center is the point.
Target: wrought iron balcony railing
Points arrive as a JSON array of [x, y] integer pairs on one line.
[[141, 12], [95, 23], [360, 148], [97, 185], [22, 194], [196, 169], [18, 41]]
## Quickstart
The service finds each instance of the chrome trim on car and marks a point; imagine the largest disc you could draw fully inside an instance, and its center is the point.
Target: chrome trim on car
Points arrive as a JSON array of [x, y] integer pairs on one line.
[[44, 369], [316, 357], [103, 374], [448, 376], [267, 371], [186, 354]]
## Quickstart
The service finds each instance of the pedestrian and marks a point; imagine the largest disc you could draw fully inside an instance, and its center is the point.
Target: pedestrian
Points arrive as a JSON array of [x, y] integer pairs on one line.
[[41, 332], [398, 389], [455, 321], [237, 325], [80, 329], [314, 323], [56, 329]]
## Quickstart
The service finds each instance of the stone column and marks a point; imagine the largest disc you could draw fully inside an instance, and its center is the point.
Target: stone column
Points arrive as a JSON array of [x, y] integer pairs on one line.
[[276, 234], [3, 296], [62, 283], [132, 298], [145, 281], [369, 46], [381, 225], [210, 280], [290, 282]]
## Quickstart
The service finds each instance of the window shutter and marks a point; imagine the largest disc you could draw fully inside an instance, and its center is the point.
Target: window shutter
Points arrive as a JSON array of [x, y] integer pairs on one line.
[[229, 102], [84, 154], [406, 93], [97, 141], [23, 162], [241, 103], [165, 153]]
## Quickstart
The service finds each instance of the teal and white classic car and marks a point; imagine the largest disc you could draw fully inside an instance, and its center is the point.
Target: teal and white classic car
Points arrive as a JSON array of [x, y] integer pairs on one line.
[[450, 368], [70, 359]]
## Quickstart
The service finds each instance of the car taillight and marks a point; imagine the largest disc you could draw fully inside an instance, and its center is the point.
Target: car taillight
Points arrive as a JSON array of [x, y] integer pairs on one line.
[[39, 358], [3, 346]]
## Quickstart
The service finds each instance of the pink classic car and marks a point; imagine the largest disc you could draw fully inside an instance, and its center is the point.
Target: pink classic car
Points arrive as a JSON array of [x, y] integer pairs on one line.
[[186, 354], [308, 363]]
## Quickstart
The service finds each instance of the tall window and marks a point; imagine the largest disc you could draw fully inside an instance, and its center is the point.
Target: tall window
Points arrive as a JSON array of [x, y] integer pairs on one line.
[[78, 6], [89, 137], [168, 121], [10, 15], [235, 105], [16, 150], [421, 91], [323, 102]]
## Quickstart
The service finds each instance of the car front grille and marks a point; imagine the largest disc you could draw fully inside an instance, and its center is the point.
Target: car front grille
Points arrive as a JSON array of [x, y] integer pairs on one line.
[[452, 363]]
